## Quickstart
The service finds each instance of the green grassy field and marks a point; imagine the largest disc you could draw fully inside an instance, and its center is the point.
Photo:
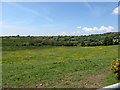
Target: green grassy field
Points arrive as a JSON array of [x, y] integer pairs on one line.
[[58, 66]]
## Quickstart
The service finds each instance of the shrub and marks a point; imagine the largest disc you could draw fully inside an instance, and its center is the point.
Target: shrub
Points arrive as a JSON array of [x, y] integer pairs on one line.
[[116, 67]]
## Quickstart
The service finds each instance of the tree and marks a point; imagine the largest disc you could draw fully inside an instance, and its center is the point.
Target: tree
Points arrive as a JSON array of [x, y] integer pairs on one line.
[[28, 36], [82, 43], [107, 41], [88, 43], [18, 35]]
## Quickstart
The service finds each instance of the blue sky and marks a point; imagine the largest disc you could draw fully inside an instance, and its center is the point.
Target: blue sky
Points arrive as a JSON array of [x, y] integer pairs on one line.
[[59, 18]]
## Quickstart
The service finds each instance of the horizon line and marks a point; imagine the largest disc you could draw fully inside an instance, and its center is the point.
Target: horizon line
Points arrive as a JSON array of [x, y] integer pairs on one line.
[[55, 35]]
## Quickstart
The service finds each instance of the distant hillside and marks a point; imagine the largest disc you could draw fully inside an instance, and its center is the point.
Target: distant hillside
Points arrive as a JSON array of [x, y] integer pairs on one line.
[[111, 38]]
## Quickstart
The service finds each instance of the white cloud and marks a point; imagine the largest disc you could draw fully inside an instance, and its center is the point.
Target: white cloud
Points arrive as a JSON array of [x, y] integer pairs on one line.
[[87, 30], [78, 27], [100, 29], [63, 33], [70, 33], [116, 11]]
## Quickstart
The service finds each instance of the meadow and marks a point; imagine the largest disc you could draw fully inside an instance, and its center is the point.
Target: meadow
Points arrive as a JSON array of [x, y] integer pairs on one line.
[[58, 66]]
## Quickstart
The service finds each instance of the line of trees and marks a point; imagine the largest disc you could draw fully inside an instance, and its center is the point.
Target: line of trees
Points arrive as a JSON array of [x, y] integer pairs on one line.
[[90, 40]]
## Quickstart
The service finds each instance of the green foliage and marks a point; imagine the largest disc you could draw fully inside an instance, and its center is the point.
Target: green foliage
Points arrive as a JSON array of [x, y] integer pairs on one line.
[[90, 40], [108, 41]]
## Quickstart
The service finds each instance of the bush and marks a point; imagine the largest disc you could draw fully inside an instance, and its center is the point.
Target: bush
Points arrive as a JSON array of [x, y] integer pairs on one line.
[[116, 67]]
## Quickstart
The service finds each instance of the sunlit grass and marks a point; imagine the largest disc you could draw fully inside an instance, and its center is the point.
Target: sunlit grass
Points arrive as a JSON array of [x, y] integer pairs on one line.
[[50, 65]]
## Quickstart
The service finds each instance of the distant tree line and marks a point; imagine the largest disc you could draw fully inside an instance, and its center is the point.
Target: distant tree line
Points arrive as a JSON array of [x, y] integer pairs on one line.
[[90, 40]]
